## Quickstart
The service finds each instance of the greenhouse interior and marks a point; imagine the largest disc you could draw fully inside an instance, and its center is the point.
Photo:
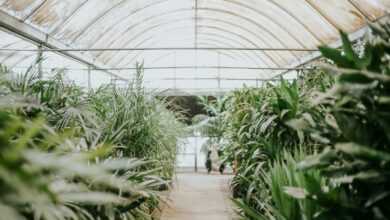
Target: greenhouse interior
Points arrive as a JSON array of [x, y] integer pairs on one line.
[[194, 109]]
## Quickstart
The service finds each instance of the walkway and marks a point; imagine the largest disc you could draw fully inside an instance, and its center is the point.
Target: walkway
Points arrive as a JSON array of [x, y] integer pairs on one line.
[[200, 197]]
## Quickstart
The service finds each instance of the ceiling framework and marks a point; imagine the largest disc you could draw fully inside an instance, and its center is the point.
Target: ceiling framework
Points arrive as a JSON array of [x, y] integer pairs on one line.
[[256, 39], [45, 43]]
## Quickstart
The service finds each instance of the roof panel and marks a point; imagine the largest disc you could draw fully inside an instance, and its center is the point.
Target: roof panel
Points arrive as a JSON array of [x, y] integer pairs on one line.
[[310, 19], [340, 13], [271, 17], [372, 9], [20, 8], [83, 18], [53, 13], [185, 23]]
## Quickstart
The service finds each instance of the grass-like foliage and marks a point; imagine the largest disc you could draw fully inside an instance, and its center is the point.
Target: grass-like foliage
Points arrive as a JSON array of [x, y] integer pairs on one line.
[[319, 147], [357, 156], [67, 153]]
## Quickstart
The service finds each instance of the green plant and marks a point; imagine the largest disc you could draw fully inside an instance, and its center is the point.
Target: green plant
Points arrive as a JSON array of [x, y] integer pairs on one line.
[[77, 165], [268, 196], [342, 112], [256, 127], [357, 154], [139, 124], [64, 183], [211, 125]]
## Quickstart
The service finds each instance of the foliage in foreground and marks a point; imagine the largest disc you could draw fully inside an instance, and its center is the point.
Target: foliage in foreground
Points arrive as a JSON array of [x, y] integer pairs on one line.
[[65, 153], [340, 119], [358, 157]]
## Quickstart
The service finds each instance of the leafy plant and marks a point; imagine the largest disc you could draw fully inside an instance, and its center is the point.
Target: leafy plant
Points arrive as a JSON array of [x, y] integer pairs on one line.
[[268, 195], [65, 152], [63, 184], [212, 124], [340, 110], [256, 126], [357, 157]]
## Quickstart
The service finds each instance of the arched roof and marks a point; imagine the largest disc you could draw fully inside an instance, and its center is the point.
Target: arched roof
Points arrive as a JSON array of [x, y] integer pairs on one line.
[[299, 24]]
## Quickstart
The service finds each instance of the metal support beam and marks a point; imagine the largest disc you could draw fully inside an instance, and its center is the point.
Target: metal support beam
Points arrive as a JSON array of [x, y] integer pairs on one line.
[[219, 71], [196, 24], [175, 70], [89, 78], [196, 67], [39, 61], [196, 154], [26, 31], [212, 67], [214, 78], [165, 49]]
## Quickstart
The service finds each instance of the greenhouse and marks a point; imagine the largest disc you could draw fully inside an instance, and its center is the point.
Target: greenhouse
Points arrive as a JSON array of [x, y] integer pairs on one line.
[[194, 109]]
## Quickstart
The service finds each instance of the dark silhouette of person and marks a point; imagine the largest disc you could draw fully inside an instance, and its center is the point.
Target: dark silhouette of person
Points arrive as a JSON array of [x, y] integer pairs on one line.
[[208, 162]]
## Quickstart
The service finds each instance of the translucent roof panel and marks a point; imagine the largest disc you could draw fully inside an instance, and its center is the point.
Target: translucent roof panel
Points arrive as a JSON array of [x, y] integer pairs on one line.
[[218, 24]]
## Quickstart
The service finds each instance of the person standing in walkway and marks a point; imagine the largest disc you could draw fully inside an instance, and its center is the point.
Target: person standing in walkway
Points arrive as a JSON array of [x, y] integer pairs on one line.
[[209, 163]]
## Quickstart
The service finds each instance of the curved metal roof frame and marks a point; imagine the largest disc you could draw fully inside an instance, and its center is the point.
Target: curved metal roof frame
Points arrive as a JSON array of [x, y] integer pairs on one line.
[[157, 30], [210, 40], [112, 9], [232, 23], [246, 31], [174, 22]]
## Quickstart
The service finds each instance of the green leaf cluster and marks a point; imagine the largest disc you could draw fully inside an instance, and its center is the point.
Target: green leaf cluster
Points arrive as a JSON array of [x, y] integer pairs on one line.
[[338, 116], [67, 153]]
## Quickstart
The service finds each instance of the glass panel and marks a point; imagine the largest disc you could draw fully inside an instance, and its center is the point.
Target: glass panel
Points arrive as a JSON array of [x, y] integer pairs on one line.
[[135, 38], [53, 13], [373, 9], [78, 76], [12, 58], [135, 17], [340, 13], [83, 18], [19, 8], [170, 23], [265, 16], [310, 19], [250, 25], [99, 78]]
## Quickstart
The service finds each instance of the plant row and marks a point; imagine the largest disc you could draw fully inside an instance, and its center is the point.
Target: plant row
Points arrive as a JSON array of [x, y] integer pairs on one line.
[[317, 147], [67, 153]]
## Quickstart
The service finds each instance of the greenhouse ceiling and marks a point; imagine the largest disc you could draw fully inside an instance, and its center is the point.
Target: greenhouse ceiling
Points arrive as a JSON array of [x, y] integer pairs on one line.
[[185, 45]]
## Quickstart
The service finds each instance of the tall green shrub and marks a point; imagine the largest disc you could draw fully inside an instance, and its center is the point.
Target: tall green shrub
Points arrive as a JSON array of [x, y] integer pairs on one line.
[[64, 152], [357, 157]]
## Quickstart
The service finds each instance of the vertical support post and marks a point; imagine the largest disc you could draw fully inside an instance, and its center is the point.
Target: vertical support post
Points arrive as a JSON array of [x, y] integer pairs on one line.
[[196, 24], [219, 71], [196, 82], [300, 76], [175, 73], [89, 77], [40, 60], [196, 153], [196, 38]]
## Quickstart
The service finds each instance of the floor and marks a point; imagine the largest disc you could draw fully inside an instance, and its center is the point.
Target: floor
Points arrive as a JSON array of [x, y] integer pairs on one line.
[[199, 196]]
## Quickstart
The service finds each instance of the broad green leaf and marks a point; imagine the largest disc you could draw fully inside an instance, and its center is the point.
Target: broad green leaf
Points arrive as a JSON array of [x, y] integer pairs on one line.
[[336, 56], [348, 49]]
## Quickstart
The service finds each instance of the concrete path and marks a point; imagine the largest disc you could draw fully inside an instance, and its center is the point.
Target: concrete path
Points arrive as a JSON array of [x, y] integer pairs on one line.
[[200, 197]]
